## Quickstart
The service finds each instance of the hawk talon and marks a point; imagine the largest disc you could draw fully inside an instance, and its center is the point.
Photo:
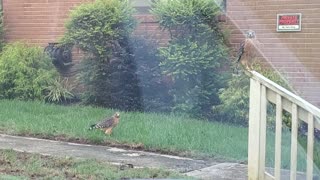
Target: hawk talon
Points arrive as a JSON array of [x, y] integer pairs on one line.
[[108, 131]]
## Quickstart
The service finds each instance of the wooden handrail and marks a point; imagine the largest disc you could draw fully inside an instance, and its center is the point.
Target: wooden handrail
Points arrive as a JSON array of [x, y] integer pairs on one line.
[[289, 98], [286, 94], [263, 90]]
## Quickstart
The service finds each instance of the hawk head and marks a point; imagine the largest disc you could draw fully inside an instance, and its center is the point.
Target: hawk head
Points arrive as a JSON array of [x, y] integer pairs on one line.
[[116, 115], [250, 34]]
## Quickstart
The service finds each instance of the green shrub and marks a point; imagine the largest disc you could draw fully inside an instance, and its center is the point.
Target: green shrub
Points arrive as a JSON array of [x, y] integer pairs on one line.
[[25, 72], [193, 68], [194, 55], [182, 17], [102, 30], [234, 107]]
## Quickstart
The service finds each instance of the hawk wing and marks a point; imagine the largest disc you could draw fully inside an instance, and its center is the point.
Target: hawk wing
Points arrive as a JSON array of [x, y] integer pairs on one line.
[[107, 123]]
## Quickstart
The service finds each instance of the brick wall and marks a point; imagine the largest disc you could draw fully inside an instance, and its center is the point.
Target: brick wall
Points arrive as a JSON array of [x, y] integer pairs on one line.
[[294, 54], [42, 21], [36, 21]]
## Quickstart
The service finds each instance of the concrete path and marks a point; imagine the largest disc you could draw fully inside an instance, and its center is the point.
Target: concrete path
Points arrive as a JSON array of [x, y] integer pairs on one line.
[[221, 171], [204, 169]]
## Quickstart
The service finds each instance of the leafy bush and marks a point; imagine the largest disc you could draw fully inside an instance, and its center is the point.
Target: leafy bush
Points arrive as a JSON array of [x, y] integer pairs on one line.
[[194, 55], [102, 30], [234, 107], [25, 72]]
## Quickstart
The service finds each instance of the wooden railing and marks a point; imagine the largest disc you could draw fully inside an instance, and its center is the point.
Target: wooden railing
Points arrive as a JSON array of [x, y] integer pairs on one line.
[[263, 90]]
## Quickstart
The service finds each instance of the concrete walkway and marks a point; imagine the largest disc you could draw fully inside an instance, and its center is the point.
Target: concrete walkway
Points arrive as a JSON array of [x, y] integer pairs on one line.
[[203, 169]]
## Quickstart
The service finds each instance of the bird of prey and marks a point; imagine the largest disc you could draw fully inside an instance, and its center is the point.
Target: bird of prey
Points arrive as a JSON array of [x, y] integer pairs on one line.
[[247, 51], [107, 124]]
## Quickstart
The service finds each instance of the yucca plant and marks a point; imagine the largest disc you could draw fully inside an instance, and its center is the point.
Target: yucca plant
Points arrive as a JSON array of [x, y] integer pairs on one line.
[[59, 90]]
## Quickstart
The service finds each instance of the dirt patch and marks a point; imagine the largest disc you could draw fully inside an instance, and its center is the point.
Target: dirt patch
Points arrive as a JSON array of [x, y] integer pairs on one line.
[[11, 171], [11, 167], [36, 166]]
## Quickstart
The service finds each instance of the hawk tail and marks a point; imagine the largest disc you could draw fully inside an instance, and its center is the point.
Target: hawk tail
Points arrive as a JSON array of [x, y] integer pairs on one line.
[[239, 57], [93, 126], [241, 51]]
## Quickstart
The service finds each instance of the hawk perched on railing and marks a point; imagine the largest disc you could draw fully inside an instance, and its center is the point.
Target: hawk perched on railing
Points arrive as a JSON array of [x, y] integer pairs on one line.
[[247, 52], [108, 124]]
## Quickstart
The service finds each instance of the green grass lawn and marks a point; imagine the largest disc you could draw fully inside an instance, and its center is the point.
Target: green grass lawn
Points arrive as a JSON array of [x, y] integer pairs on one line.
[[167, 133], [21, 166], [154, 131]]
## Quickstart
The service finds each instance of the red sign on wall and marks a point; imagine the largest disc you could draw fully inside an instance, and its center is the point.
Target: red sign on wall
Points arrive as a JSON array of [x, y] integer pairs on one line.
[[289, 22]]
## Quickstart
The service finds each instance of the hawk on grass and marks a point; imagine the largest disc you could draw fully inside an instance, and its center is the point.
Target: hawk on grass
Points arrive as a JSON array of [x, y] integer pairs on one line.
[[107, 124], [247, 51]]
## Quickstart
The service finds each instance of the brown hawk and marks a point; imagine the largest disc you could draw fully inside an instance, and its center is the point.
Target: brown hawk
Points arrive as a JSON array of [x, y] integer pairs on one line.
[[247, 51], [107, 124]]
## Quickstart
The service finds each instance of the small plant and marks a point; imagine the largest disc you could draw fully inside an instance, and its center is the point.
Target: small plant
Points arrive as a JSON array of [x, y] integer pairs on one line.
[[25, 72], [59, 91], [234, 107]]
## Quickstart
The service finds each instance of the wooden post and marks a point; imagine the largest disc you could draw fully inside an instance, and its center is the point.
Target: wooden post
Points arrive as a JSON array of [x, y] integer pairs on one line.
[[263, 131], [294, 142], [277, 167], [261, 91], [310, 147], [254, 130]]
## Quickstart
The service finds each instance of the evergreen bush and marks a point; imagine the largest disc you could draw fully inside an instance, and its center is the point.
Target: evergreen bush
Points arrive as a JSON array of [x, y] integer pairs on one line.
[[194, 55], [102, 29]]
